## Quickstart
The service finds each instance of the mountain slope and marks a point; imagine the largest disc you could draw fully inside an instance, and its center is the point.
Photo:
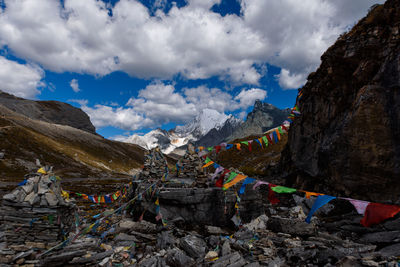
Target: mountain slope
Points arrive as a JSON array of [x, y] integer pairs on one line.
[[72, 152], [48, 111], [347, 140], [219, 134]]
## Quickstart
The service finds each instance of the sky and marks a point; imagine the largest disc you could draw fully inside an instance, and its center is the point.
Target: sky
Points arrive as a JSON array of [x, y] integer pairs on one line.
[[135, 65]]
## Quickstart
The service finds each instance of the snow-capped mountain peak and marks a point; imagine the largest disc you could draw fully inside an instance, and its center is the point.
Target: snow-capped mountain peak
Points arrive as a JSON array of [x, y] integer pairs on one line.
[[206, 120]]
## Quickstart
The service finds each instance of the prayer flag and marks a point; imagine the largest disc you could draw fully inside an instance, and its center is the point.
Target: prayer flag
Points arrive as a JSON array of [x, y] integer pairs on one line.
[[237, 146], [258, 184], [309, 194], [275, 137], [217, 171], [232, 175], [247, 181], [220, 181], [238, 178], [376, 213], [259, 140], [269, 137], [208, 164], [359, 205], [229, 146], [283, 189], [265, 140], [42, 171], [271, 195], [319, 202]]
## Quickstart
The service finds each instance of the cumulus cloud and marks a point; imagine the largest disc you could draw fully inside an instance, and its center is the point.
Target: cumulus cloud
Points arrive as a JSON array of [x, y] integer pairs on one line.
[[192, 41], [247, 98], [74, 85], [22, 80], [288, 80], [123, 118], [161, 103]]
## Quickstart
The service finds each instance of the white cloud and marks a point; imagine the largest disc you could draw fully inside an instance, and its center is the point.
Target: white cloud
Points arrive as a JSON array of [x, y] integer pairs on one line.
[[192, 41], [74, 85], [289, 81], [22, 80], [82, 102], [161, 103], [123, 118], [247, 98], [213, 98]]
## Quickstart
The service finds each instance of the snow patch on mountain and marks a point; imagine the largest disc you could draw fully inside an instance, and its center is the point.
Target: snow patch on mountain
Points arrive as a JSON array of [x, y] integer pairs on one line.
[[203, 123]]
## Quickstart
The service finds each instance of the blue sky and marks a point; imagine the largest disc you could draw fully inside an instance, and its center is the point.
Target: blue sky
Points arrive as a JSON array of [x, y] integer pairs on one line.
[[137, 65]]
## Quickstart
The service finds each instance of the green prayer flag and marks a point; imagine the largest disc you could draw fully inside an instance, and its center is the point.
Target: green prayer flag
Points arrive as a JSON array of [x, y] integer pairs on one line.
[[265, 140], [245, 142], [207, 160], [283, 189], [280, 130], [232, 175], [210, 148]]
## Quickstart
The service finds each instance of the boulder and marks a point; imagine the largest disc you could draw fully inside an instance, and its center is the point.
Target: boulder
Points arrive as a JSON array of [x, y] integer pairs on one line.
[[178, 258], [193, 246], [290, 226]]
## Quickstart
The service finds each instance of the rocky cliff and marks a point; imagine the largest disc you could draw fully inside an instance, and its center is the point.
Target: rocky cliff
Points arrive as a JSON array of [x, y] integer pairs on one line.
[[48, 111], [347, 140], [264, 116]]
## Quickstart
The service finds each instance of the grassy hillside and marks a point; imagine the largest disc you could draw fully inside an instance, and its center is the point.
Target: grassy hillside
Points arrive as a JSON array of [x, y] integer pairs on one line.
[[72, 152], [256, 163]]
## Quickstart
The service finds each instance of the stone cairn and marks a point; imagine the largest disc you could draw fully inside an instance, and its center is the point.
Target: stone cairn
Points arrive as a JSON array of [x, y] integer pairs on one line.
[[155, 165], [190, 166], [35, 215]]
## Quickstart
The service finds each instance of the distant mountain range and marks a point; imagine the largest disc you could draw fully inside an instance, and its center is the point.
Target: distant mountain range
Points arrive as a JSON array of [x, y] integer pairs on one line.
[[210, 128]]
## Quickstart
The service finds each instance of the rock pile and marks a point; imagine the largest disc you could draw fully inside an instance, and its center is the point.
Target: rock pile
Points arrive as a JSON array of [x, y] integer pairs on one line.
[[33, 217], [190, 166], [155, 165], [278, 238]]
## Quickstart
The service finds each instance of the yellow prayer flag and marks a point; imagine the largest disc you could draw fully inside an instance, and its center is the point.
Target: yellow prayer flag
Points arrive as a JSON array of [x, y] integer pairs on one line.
[[41, 170], [157, 202], [65, 194], [309, 194], [238, 146], [208, 164], [237, 179], [261, 141], [278, 134]]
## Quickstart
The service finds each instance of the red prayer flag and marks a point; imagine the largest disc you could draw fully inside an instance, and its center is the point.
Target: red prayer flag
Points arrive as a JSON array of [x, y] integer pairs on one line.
[[269, 139], [217, 149], [220, 181], [271, 195], [377, 213]]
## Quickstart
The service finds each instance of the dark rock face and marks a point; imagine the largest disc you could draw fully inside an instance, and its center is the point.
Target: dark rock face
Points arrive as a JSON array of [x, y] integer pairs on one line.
[[49, 111], [347, 140], [217, 136], [263, 117]]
